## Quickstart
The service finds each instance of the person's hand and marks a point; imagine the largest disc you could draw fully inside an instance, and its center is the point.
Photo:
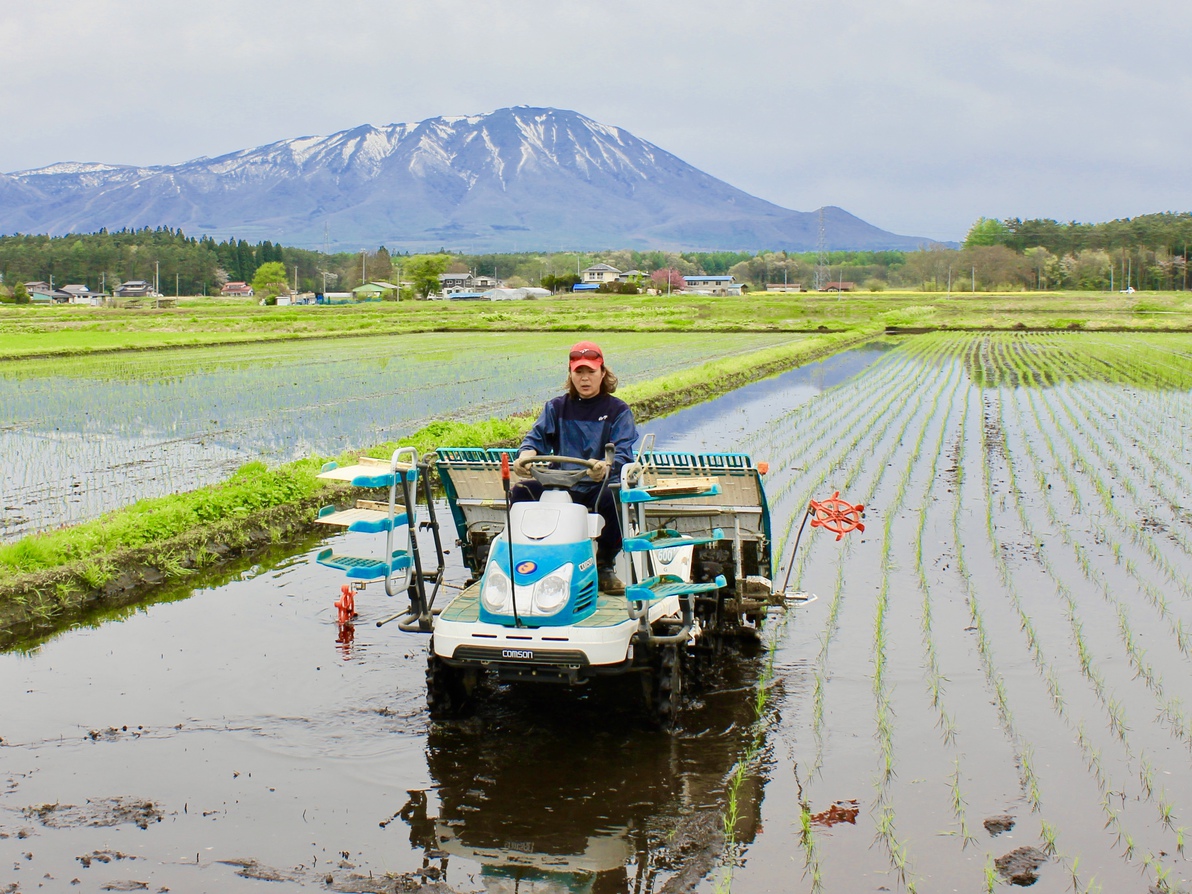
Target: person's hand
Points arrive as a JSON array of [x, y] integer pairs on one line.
[[520, 468], [598, 470]]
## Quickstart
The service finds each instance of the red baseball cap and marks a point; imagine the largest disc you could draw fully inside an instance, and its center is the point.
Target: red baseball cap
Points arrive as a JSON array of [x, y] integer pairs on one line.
[[586, 353]]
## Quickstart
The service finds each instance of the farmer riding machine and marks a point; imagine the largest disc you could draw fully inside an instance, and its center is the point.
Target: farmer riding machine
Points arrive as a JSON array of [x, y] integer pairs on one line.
[[696, 559]]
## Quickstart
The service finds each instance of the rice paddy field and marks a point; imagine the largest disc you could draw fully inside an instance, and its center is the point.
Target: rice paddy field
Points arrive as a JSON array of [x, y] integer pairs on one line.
[[990, 688], [1001, 660], [83, 435]]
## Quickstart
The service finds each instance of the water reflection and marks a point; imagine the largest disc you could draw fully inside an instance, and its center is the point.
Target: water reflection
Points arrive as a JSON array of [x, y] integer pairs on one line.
[[552, 791], [716, 425]]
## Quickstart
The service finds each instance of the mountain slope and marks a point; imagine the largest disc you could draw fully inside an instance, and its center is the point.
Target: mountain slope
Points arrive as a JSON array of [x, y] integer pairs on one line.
[[515, 179]]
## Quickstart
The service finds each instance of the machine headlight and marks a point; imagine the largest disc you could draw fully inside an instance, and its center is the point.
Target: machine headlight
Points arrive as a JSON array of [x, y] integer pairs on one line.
[[496, 590], [551, 593]]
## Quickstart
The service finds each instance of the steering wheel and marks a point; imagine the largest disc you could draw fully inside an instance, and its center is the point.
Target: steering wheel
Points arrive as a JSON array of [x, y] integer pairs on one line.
[[523, 463]]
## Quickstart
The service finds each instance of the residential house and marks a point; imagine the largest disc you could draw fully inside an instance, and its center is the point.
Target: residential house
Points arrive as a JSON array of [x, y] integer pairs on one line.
[[80, 294], [469, 283], [371, 291], [712, 285], [633, 276], [784, 287], [455, 282], [838, 287], [236, 289], [39, 292], [599, 273], [134, 288]]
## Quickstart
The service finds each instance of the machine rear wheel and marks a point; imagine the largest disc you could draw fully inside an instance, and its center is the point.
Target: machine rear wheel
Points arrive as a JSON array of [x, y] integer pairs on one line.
[[664, 685]]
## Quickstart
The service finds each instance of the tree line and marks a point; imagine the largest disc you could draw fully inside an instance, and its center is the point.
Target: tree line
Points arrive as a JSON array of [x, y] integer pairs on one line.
[[1146, 252]]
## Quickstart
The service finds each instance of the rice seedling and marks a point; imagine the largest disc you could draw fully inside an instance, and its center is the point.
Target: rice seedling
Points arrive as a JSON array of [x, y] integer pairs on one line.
[[990, 875]]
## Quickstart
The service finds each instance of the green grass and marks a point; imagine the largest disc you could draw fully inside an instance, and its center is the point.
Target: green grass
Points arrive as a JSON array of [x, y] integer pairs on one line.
[[31, 331]]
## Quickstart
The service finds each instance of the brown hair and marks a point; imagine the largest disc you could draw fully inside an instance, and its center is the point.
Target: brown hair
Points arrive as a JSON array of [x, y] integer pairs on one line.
[[608, 382]]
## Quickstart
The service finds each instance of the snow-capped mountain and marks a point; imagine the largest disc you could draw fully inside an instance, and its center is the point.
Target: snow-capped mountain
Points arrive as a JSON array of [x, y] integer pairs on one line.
[[516, 179]]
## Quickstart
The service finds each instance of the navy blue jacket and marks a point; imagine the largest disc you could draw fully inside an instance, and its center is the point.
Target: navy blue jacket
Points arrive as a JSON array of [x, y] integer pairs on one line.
[[569, 426]]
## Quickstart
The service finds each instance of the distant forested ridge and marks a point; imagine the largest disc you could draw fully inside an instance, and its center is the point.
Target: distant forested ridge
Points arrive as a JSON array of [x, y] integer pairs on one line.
[[1145, 252]]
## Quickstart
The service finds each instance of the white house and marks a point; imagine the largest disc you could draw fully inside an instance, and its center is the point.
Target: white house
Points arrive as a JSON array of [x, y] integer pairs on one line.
[[599, 273], [712, 285]]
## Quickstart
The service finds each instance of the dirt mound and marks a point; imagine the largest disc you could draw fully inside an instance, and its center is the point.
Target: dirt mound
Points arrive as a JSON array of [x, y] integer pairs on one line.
[[102, 812]]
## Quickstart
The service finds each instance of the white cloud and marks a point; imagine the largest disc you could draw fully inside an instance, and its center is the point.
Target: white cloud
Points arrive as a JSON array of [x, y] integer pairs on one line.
[[918, 116]]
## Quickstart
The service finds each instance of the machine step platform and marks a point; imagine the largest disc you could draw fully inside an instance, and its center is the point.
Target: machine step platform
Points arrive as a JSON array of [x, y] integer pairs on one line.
[[368, 472], [664, 585], [363, 519], [357, 568], [665, 538], [672, 489]]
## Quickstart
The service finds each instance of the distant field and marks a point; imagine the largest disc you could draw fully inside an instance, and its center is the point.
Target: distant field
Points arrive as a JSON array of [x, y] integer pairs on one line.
[[26, 331], [87, 434]]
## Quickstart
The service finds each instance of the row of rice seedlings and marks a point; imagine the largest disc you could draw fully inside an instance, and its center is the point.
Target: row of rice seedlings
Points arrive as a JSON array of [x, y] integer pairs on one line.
[[1088, 664], [836, 431], [860, 463], [1061, 468], [1165, 807], [1165, 475], [884, 718], [1092, 756], [1109, 502], [1028, 777], [1125, 478], [1166, 398], [897, 851], [1111, 795], [1154, 595], [1028, 780], [972, 600], [748, 763], [933, 675], [1160, 474], [858, 423], [807, 838]]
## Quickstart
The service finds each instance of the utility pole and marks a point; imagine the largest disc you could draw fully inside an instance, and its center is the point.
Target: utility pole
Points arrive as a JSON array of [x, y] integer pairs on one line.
[[295, 279], [363, 258], [157, 276], [177, 277]]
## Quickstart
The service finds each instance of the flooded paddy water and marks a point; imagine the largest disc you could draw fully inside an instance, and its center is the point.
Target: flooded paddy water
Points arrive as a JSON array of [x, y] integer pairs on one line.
[[998, 667], [83, 435]]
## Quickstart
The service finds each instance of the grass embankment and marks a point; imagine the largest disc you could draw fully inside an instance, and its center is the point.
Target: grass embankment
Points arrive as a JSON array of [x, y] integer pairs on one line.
[[48, 331], [48, 579]]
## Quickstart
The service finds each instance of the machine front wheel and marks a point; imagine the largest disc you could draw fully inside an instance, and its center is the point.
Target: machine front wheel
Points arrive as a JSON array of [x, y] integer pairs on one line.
[[448, 689]]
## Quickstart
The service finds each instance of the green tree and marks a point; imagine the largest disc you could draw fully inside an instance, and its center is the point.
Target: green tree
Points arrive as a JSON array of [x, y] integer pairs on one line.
[[379, 265], [423, 271], [270, 281], [987, 231], [20, 295]]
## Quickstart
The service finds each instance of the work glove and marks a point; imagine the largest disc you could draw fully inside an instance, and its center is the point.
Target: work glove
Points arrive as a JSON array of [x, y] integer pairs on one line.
[[520, 469], [598, 470]]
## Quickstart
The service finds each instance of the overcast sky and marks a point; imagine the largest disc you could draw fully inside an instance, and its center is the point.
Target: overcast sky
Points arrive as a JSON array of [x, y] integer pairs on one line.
[[917, 116]]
